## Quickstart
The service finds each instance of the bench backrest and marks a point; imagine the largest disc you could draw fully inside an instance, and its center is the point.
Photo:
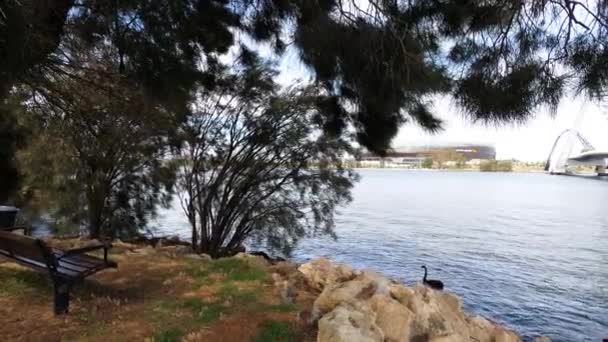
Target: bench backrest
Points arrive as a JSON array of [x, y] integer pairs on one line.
[[26, 249]]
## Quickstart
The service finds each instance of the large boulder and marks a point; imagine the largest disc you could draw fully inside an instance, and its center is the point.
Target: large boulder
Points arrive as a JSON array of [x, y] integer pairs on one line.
[[401, 293], [541, 339], [354, 292], [320, 272], [347, 323], [392, 318]]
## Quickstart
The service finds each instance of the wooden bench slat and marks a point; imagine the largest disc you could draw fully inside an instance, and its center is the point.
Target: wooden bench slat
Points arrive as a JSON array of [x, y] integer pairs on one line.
[[23, 246], [39, 267], [79, 260], [75, 268]]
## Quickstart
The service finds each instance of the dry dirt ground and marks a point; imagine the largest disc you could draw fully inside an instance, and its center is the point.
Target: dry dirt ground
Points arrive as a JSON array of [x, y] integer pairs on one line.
[[154, 295]]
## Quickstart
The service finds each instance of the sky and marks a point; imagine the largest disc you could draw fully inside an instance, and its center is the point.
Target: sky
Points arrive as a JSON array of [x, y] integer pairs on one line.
[[531, 141]]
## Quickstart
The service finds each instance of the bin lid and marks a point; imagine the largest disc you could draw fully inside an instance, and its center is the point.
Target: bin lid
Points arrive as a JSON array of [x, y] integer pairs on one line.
[[8, 208]]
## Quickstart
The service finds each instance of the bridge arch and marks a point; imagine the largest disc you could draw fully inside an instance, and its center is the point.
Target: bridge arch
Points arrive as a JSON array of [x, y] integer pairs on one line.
[[574, 133]]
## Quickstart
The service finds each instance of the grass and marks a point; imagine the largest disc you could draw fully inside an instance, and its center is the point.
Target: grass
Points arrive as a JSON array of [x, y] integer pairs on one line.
[[231, 292], [204, 312], [20, 282], [231, 269], [199, 274], [201, 293], [275, 331], [238, 270], [171, 335]]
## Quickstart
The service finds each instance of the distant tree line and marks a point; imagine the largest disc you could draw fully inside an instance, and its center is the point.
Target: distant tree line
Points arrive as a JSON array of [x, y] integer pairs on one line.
[[494, 165]]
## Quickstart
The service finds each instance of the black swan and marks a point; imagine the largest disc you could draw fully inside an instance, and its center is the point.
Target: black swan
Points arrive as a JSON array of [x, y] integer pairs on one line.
[[432, 283]]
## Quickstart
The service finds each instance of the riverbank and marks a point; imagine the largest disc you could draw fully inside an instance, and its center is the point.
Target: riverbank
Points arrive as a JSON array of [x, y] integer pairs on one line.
[[168, 294], [515, 169]]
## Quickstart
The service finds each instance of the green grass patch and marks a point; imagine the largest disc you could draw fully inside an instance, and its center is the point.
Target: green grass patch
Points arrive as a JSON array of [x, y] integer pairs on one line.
[[275, 331], [22, 282], [230, 291], [238, 270], [162, 310], [200, 275], [204, 312], [170, 335]]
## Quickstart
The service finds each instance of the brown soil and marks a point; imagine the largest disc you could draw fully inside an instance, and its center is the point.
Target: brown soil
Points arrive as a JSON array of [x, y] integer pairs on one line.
[[150, 294]]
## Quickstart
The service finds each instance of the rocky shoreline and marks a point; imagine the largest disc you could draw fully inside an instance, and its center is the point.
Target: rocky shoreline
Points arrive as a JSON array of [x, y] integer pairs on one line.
[[347, 305], [365, 306]]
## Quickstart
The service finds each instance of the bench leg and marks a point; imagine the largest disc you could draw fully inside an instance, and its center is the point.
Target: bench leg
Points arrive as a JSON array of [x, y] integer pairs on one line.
[[62, 296]]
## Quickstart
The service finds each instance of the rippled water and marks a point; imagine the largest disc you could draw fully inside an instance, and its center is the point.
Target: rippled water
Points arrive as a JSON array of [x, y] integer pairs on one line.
[[527, 250]]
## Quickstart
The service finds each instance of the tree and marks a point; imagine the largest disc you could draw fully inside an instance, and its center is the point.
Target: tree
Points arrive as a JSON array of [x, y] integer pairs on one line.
[[496, 166], [101, 157], [256, 166], [12, 136], [427, 163], [382, 64], [443, 156], [157, 48]]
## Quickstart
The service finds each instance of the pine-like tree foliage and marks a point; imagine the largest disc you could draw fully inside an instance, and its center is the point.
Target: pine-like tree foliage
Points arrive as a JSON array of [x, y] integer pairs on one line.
[[97, 153], [500, 60], [12, 136], [381, 60]]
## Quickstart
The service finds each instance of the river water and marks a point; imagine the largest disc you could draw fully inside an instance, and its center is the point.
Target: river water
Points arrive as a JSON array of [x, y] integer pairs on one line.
[[527, 250]]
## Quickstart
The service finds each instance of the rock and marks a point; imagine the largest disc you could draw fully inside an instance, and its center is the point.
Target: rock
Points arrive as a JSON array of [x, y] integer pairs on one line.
[[320, 272], [284, 268], [349, 324], [382, 283], [479, 328], [503, 335], [350, 292], [448, 338], [401, 293], [397, 312], [392, 318], [482, 330], [451, 302]]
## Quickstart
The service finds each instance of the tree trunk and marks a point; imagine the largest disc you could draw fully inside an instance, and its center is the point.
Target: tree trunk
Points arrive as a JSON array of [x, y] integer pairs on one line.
[[192, 218], [95, 231], [96, 201]]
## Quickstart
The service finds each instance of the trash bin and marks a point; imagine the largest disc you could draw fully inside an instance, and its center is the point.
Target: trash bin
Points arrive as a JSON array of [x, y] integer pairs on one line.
[[7, 216]]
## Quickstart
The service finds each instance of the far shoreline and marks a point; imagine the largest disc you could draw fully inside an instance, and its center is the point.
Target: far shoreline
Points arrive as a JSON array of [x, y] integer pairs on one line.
[[445, 170]]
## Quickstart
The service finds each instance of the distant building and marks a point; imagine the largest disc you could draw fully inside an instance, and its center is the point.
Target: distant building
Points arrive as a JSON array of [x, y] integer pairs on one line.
[[414, 156], [474, 162]]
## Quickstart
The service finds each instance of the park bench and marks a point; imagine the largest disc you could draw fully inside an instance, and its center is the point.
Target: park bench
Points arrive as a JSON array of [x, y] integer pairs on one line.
[[65, 267], [24, 230]]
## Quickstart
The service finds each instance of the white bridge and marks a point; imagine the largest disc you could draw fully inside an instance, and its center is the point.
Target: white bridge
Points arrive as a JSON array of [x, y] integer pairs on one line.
[[571, 149]]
